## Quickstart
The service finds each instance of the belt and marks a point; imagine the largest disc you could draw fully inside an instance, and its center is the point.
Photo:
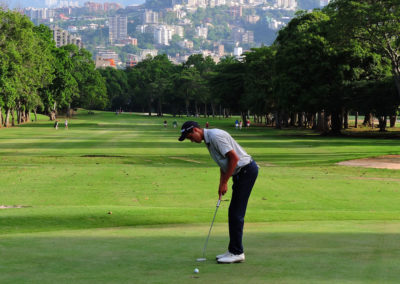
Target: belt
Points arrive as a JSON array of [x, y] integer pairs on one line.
[[244, 167]]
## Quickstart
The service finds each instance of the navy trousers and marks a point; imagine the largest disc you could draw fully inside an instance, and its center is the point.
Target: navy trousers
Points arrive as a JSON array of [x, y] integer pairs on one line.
[[243, 183]]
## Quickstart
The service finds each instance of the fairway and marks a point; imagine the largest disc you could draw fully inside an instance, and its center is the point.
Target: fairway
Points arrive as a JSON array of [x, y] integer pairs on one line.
[[117, 199]]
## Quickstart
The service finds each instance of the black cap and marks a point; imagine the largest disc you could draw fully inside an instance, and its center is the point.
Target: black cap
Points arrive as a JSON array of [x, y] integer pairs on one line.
[[187, 128]]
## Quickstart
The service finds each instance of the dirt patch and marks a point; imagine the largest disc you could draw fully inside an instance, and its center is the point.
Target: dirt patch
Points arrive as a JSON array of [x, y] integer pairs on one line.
[[12, 206], [186, 160], [391, 162]]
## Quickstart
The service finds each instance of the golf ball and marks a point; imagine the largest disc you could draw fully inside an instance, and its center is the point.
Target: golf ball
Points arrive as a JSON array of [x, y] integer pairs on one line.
[[196, 270]]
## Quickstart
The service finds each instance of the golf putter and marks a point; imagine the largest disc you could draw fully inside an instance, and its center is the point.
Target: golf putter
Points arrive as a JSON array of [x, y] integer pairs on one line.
[[205, 244]]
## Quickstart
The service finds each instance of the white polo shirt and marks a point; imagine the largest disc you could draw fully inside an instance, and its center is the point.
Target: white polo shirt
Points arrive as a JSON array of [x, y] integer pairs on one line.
[[220, 142]]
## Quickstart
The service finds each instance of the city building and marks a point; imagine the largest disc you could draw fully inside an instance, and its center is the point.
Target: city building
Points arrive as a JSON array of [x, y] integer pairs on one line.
[[202, 31], [252, 19], [150, 17], [62, 37], [118, 26], [105, 62], [186, 44], [235, 11], [237, 52], [38, 15], [286, 4], [274, 24], [162, 35]]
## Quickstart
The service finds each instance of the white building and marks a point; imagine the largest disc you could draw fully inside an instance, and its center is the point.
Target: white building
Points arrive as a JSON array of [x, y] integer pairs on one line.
[[202, 31], [286, 4], [150, 17], [162, 35], [237, 52], [39, 13], [144, 53], [62, 37], [178, 30], [117, 30], [275, 25]]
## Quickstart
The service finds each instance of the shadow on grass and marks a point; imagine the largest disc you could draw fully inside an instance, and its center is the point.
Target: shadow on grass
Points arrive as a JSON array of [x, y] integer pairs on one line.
[[167, 255]]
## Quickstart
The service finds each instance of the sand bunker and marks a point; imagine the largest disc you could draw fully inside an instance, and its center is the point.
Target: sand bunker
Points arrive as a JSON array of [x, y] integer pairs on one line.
[[391, 162]]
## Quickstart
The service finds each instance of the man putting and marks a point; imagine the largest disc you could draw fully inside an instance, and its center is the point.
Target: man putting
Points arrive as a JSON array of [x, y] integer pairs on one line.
[[233, 162]]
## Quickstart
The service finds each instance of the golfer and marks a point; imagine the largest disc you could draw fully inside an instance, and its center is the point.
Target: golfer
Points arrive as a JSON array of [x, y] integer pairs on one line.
[[233, 162]]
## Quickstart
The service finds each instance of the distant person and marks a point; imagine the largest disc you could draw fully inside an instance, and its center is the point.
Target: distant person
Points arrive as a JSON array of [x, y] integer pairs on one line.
[[56, 124], [234, 162], [165, 123], [207, 124], [236, 124], [175, 123], [248, 123], [240, 125], [66, 124]]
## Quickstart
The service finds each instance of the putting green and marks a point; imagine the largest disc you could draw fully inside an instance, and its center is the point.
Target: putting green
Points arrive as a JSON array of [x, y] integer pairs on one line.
[[289, 252]]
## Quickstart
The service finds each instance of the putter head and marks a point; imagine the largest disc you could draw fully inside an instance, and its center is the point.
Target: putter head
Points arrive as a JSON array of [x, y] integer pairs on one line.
[[201, 259]]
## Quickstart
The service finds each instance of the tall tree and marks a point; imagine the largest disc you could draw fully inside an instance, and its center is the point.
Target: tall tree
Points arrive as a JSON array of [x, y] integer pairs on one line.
[[375, 24]]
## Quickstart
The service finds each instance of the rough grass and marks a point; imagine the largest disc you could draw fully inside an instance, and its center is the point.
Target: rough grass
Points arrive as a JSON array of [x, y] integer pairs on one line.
[[308, 220]]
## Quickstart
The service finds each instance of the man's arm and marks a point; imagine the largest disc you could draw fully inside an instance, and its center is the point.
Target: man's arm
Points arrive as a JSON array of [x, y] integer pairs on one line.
[[224, 177]]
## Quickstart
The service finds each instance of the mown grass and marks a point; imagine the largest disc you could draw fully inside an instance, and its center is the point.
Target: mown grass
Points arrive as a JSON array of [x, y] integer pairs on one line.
[[308, 220]]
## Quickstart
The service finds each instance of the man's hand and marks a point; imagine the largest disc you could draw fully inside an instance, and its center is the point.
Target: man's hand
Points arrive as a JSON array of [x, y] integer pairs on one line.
[[223, 188]]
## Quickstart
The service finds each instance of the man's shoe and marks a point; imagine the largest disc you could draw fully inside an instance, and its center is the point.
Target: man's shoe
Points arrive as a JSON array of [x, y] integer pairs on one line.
[[222, 255], [232, 258]]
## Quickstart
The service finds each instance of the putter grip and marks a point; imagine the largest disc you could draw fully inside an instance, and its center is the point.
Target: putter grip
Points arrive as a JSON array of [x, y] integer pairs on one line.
[[219, 202]]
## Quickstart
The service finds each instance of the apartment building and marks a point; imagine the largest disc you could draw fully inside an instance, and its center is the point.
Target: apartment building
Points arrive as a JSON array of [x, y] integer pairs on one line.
[[118, 28], [162, 35], [150, 17], [62, 37]]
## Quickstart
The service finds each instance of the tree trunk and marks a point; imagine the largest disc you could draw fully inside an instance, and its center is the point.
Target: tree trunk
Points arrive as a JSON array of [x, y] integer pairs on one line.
[[368, 120], [1, 118], [196, 108], [7, 120], [382, 123], [327, 122], [345, 119], [34, 111], [187, 107], [293, 119], [205, 110], [278, 119], [393, 119], [213, 109], [69, 111], [160, 113], [12, 117], [300, 119], [336, 125], [397, 80], [149, 106], [356, 120], [320, 121]]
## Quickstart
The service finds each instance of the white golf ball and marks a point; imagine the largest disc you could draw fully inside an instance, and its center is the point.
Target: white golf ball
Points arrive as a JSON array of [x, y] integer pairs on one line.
[[196, 270]]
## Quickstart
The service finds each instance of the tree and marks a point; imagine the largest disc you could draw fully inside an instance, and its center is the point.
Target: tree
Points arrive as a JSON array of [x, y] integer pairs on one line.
[[117, 86], [91, 91], [259, 66], [376, 25], [227, 83]]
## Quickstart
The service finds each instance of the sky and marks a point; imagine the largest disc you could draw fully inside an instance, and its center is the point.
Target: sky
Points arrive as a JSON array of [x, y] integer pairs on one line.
[[42, 3]]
